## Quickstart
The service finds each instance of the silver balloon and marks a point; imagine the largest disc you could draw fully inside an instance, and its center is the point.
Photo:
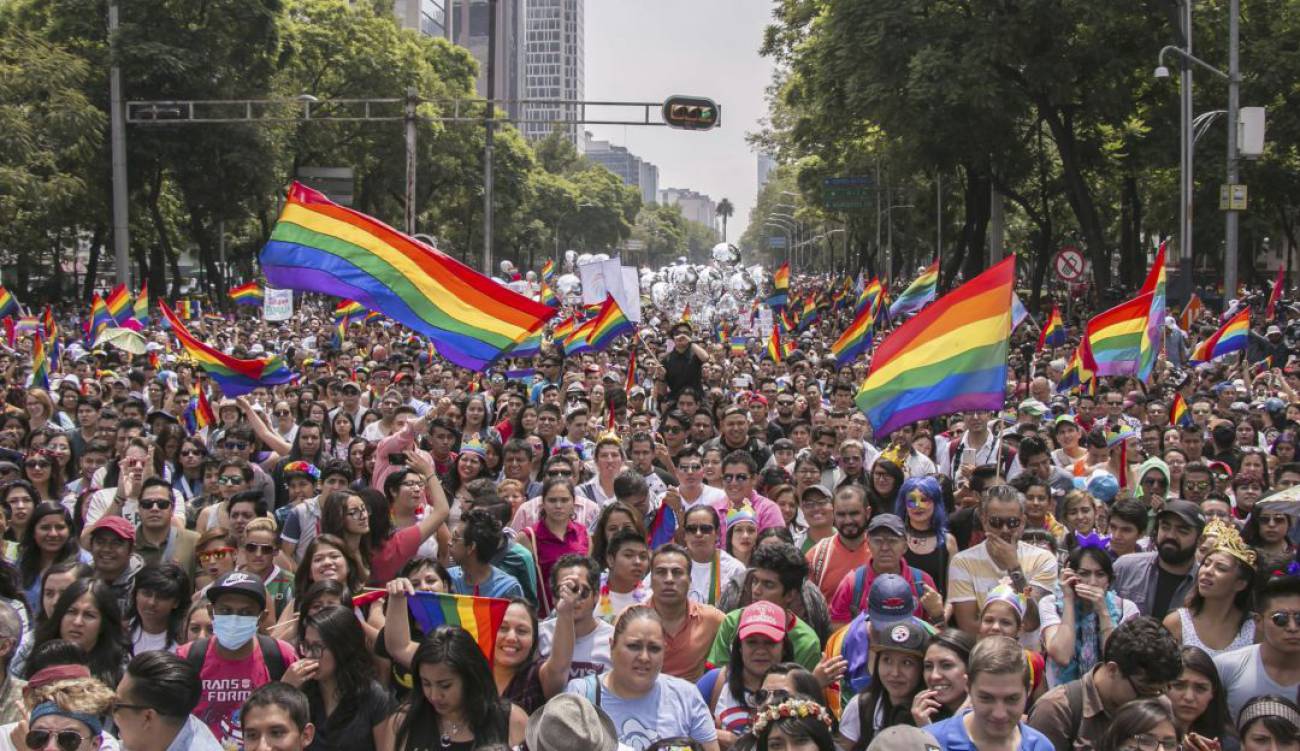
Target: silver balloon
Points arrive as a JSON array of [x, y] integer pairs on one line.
[[726, 254], [507, 267], [647, 278], [570, 258], [661, 295], [741, 286], [568, 284], [584, 259], [600, 257]]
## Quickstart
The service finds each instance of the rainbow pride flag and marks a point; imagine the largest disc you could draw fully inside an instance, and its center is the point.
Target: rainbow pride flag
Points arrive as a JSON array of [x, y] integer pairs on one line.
[[1275, 294], [141, 306], [99, 317], [347, 309], [1053, 333], [1231, 337], [738, 344], [235, 377], [576, 342], [119, 304], [1115, 337], [780, 287], [1179, 414], [855, 340], [547, 295], [529, 347], [480, 616], [8, 303], [1077, 375], [201, 413], [686, 313], [246, 294], [1191, 311], [918, 294], [776, 349], [1153, 333], [609, 324], [548, 270], [319, 246], [951, 357], [40, 364]]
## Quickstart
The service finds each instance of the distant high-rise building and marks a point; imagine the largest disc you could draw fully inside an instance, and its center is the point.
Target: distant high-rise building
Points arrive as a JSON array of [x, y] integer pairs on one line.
[[765, 166], [429, 17], [467, 26], [554, 64], [631, 168], [696, 207]]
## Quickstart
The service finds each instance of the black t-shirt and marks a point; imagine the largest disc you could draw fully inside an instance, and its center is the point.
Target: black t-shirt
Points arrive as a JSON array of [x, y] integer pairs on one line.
[[1166, 583], [682, 369], [351, 727]]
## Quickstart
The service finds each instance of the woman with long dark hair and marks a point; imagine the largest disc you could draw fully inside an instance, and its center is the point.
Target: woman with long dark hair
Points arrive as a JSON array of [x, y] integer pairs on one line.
[[457, 702], [760, 643], [188, 479], [346, 515], [1141, 724], [1078, 618], [348, 706], [48, 539], [158, 606], [886, 481], [21, 498], [1219, 609], [40, 470], [1199, 701], [554, 535], [944, 671], [1269, 723], [797, 723], [88, 616], [897, 652]]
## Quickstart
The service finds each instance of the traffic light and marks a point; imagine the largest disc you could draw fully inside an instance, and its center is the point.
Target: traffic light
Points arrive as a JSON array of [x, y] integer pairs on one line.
[[691, 113]]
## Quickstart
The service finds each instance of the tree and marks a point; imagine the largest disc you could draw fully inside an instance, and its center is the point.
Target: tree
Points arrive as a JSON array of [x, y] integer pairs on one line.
[[725, 210]]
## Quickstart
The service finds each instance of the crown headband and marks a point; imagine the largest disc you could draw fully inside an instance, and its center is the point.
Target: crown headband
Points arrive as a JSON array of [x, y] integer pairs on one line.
[[791, 709], [1227, 540]]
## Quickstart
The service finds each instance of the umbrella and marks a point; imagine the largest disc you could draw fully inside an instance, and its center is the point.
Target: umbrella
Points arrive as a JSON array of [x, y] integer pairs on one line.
[[1286, 501], [122, 338]]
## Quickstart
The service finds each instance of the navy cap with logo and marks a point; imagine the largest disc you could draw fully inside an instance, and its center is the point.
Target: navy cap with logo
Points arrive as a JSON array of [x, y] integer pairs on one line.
[[890, 600], [239, 583]]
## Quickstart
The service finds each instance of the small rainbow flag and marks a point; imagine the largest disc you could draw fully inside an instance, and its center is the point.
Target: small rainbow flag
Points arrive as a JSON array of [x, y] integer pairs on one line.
[[119, 304], [1191, 312], [99, 317], [1231, 337], [564, 328], [235, 377], [783, 318], [1152, 335], [1276, 294], [480, 616], [855, 340], [8, 303], [246, 294], [609, 324], [348, 308], [952, 357], [548, 270], [809, 312], [739, 345], [319, 246], [1053, 333], [1178, 413], [201, 412], [141, 306], [341, 331], [780, 287], [40, 364], [547, 295], [1076, 373], [686, 313], [918, 294], [776, 349], [576, 342]]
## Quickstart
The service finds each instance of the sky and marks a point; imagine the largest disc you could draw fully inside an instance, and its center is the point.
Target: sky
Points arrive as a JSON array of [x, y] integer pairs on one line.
[[648, 50]]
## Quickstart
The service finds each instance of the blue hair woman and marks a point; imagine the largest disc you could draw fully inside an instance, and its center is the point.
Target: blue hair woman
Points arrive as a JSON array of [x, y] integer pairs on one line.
[[929, 545]]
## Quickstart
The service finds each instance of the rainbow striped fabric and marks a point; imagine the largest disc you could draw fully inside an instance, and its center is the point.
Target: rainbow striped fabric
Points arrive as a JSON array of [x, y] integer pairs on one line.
[[1191, 311], [119, 304], [40, 364], [318, 246], [348, 308], [918, 294], [235, 377], [780, 287], [480, 616], [855, 340], [548, 270], [8, 303], [1231, 337], [246, 294], [1053, 333], [1275, 294], [99, 317], [951, 357], [1077, 375], [1115, 337], [686, 313], [1179, 414], [1152, 334], [776, 349], [576, 342], [609, 324], [528, 347], [198, 415], [547, 295], [141, 306]]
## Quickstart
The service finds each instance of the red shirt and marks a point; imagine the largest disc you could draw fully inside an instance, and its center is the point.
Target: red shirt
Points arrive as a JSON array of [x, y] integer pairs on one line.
[[550, 549]]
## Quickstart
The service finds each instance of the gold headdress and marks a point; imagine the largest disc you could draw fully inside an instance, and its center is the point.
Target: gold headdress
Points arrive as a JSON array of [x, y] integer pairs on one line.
[[1227, 540]]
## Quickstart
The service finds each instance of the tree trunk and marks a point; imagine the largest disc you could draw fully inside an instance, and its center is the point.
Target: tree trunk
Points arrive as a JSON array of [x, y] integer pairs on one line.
[[156, 271], [968, 253], [1078, 192], [92, 262]]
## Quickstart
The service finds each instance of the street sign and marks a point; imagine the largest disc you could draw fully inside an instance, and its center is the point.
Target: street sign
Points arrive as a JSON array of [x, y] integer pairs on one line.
[[1069, 264], [858, 181], [1232, 197], [775, 241]]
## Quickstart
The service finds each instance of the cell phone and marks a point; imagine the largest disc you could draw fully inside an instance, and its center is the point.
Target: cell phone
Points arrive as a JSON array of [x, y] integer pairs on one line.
[[397, 458]]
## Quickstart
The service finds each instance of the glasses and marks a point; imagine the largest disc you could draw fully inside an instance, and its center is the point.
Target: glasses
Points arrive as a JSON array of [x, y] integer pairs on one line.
[[215, 555], [690, 467], [236, 445], [766, 696], [1148, 742], [230, 479], [155, 504], [312, 650], [699, 529], [119, 705], [559, 473], [1145, 690], [1155, 482], [1268, 520], [1003, 522], [1280, 618], [286, 413], [735, 478], [815, 502], [415, 485], [36, 464], [253, 548], [191, 452], [67, 740], [358, 513], [673, 429], [1196, 484], [882, 475]]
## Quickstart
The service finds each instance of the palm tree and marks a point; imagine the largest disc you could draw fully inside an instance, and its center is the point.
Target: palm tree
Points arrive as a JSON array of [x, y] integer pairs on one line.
[[725, 210]]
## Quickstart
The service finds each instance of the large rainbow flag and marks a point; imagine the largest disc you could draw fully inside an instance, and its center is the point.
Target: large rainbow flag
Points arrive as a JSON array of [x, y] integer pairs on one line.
[[951, 357], [1231, 337], [119, 304], [235, 377], [141, 306], [1153, 335], [319, 246], [1115, 338], [576, 342], [609, 324], [855, 340], [918, 294], [480, 616], [8, 303]]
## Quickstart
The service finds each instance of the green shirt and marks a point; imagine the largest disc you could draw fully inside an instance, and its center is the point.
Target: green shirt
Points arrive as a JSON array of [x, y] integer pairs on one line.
[[807, 647]]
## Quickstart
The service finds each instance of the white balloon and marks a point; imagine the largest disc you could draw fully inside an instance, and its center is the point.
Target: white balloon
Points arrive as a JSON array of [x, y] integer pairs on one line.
[[660, 294], [507, 267], [568, 284], [570, 258], [600, 257], [584, 259]]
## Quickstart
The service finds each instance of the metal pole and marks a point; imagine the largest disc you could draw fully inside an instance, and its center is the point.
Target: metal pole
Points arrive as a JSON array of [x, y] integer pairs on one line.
[[223, 272], [889, 243], [879, 216], [938, 215], [117, 116], [487, 143], [412, 99], [1234, 85], [1188, 145]]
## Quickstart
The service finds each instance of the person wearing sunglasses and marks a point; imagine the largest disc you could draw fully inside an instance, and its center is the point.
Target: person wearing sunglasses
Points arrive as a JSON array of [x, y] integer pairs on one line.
[[1272, 666], [258, 553], [68, 721], [153, 705], [157, 539], [978, 569]]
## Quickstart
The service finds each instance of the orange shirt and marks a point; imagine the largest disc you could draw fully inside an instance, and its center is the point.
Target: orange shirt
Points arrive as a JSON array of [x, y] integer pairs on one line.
[[829, 562], [684, 651]]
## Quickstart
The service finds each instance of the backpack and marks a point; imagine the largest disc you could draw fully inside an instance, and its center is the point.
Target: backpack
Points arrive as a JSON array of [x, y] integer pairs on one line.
[[270, 656], [860, 587]]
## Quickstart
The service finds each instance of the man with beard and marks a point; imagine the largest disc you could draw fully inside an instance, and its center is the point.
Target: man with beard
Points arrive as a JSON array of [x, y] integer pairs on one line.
[[834, 559], [1157, 580]]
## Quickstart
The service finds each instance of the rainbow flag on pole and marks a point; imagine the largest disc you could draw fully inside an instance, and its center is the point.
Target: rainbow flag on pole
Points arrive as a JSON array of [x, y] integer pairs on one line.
[[548, 270], [1178, 412], [319, 246], [141, 306], [119, 304], [480, 616], [234, 376], [40, 364], [99, 317], [1275, 294], [246, 294], [1231, 337], [855, 340], [609, 324], [1115, 337], [952, 357], [8, 303], [918, 294], [1153, 335], [780, 287], [1053, 333]]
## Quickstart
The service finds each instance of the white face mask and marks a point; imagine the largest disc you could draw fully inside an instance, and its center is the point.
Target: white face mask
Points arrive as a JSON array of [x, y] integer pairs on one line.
[[234, 631]]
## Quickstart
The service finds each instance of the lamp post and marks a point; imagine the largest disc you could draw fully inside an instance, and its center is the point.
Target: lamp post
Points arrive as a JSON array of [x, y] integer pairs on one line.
[[889, 241], [797, 228], [784, 231]]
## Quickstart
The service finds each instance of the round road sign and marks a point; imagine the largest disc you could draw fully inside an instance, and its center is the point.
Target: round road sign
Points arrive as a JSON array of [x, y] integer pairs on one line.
[[1069, 264]]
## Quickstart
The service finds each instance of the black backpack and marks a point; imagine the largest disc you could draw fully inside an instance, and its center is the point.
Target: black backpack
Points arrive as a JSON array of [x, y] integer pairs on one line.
[[270, 655]]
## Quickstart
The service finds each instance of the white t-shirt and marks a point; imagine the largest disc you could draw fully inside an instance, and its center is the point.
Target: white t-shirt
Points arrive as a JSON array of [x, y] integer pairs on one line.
[[1244, 677], [100, 500], [590, 652], [701, 576]]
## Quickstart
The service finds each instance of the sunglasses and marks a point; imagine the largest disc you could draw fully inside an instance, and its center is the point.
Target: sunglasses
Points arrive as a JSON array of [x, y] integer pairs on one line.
[[1268, 520], [230, 479], [765, 696], [236, 445], [999, 522], [253, 548], [155, 504], [559, 473], [215, 555], [1280, 618], [735, 478], [699, 529], [191, 452], [286, 413], [67, 740]]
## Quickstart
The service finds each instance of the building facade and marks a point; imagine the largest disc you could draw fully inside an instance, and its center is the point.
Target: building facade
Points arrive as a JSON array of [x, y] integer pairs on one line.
[[632, 169], [554, 65], [467, 26], [696, 207]]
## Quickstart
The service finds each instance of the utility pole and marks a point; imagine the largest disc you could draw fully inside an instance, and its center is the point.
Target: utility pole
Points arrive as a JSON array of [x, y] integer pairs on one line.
[[117, 136], [412, 100], [1188, 144], [487, 143], [1230, 220]]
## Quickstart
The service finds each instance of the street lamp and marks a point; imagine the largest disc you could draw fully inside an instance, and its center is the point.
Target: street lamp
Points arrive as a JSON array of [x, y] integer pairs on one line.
[[785, 230], [796, 226]]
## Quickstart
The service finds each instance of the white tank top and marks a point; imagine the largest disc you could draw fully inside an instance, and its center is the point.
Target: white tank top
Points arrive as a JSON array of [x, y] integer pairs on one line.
[[1245, 636]]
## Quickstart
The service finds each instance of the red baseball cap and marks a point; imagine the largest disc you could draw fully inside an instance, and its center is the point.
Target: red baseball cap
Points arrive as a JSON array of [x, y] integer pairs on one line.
[[117, 525], [762, 618]]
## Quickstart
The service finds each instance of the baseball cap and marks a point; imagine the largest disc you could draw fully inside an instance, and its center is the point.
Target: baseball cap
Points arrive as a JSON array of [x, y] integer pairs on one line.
[[117, 525], [764, 619], [904, 738], [1185, 510], [903, 636], [889, 522], [890, 600], [240, 583], [820, 489], [1273, 329], [1033, 407], [576, 388], [350, 386]]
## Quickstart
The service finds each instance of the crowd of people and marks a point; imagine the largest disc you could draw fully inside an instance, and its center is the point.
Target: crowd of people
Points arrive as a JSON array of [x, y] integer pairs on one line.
[[714, 551]]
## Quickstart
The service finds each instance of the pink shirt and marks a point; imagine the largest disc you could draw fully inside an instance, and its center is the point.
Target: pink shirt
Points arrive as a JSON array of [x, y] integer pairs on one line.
[[842, 599], [550, 549], [227, 683]]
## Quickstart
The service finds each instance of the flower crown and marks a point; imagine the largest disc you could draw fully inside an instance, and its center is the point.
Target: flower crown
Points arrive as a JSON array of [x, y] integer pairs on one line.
[[790, 709], [302, 467], [1228, 541]]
